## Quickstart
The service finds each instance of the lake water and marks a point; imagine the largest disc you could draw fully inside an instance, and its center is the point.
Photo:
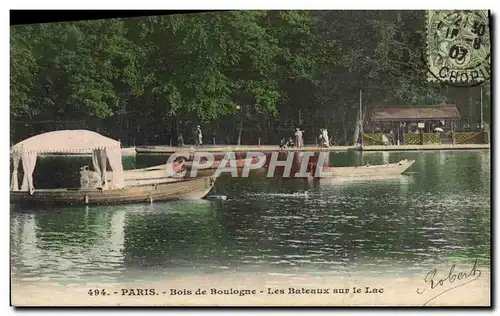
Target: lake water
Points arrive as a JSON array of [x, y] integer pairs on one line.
[[438, 212]]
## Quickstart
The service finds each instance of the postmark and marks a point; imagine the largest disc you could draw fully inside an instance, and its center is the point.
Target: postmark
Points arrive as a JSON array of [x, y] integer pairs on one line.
[[458, 46]]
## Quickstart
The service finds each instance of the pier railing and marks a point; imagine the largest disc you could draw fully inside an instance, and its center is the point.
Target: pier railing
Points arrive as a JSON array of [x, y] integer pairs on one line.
[[480, 137]]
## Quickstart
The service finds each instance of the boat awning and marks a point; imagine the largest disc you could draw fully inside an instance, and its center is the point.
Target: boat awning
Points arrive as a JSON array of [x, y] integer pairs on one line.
[[65, 141], [103, 149]]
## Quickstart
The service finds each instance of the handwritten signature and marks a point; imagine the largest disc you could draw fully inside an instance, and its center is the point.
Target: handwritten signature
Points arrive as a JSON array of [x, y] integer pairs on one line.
[[433, 282]]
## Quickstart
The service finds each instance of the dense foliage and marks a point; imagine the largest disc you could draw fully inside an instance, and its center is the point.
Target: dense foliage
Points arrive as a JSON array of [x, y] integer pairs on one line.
[[242, 75]]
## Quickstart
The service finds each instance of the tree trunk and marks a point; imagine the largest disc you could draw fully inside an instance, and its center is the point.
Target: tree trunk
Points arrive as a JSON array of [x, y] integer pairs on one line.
[[269, 139], [177, 132], [357, 130], [240, 128]]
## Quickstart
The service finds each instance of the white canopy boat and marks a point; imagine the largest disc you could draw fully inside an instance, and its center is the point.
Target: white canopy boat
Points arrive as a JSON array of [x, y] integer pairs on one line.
[[99, 186]]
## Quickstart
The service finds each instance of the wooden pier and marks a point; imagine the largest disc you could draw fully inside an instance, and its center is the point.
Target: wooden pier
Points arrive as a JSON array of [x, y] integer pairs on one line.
[[270, 148]]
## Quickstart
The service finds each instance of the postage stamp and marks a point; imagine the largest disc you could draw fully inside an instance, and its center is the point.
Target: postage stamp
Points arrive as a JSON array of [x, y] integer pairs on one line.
[[458, 46], [250, 158]]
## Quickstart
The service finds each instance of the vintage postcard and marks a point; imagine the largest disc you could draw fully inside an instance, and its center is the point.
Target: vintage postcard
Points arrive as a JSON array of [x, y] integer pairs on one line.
[[252, 158]]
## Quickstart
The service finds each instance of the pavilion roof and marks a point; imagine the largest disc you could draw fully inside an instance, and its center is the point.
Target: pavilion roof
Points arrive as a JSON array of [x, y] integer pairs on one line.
[[424, 113]]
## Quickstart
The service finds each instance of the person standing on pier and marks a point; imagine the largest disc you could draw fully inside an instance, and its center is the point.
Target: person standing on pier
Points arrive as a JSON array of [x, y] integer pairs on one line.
[[324, 140], [299, 140], [180, 140], [198, 136]]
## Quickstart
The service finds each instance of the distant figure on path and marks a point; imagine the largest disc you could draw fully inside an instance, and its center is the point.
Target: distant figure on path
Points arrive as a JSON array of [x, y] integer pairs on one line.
[[385, 140], [299, 140], [180, 140], [324, 140], [286, 143], [283, 143], [198, 136]]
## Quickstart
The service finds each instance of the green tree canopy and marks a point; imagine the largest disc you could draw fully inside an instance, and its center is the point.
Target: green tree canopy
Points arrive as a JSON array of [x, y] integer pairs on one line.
[[242, 74]]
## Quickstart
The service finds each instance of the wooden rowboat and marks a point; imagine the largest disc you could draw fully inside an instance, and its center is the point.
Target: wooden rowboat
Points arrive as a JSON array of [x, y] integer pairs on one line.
[[144, 192], [389, 169], [240, 163], [135, 176], [155, 172], [161, 170]]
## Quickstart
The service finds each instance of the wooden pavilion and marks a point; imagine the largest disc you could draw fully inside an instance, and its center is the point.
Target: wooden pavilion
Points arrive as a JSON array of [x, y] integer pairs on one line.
[[432, 124]]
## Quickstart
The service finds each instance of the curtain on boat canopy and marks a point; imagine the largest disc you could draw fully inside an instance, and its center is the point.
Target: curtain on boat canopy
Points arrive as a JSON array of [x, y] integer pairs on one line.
[[115, 162], [14, 185], [99, 161], [29, 161]]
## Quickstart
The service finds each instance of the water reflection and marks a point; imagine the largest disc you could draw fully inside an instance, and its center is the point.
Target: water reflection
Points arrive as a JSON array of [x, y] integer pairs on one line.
[[76, 241], [440, 210]]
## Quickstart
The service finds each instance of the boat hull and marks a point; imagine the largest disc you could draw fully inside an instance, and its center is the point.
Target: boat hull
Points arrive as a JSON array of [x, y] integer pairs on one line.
[[239, 163], [161, 171], [143, 193], [367, 170]]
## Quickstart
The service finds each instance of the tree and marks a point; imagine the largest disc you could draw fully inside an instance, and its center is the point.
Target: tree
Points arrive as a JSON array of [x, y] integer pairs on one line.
[[245, 73], [23, 69]]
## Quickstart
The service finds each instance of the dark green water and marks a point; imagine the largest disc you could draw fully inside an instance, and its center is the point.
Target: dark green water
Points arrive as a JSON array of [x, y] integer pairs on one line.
[[439, 212]]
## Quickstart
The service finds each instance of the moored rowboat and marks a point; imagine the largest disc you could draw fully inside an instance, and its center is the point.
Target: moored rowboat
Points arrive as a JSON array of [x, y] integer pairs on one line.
[[162, 171], [239, 163], [145, 192], [389, 169]]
